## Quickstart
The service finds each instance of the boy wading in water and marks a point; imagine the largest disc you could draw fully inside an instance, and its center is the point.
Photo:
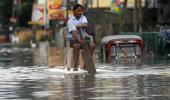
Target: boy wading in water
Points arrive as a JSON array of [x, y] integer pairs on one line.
[[76, 23]]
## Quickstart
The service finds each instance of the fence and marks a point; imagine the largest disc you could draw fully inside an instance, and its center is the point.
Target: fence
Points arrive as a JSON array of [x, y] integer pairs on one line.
[[155, 43]]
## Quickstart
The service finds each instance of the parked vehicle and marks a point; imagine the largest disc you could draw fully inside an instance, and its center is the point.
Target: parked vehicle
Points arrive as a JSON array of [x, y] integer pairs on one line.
[[121, 49]]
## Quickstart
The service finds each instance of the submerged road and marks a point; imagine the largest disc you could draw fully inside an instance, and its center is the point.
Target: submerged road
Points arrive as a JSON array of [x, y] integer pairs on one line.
[[23, 79]]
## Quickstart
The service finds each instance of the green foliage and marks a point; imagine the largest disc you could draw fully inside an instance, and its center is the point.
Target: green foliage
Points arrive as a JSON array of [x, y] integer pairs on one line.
[[24, 12], [5, 12]]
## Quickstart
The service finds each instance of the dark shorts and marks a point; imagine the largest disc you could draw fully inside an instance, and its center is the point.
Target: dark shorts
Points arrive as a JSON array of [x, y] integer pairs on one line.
[[73, 40]]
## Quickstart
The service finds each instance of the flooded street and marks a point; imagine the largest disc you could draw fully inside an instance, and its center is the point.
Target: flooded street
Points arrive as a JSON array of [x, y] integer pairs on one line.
[[129, 40], [21, 78]]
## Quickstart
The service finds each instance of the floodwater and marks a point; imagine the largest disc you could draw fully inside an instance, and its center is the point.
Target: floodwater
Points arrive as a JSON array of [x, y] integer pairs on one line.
[[25, 76]]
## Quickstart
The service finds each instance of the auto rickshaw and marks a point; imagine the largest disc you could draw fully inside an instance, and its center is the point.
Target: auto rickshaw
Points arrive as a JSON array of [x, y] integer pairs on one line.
[[121, 49]]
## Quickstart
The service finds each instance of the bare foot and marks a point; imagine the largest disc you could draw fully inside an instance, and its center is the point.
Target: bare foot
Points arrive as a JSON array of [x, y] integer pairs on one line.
[[85, 67], [75, 69]]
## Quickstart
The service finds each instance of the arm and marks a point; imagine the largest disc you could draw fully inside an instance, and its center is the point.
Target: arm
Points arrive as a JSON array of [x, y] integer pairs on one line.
[[84, 26], [84, 23], [75, 35]]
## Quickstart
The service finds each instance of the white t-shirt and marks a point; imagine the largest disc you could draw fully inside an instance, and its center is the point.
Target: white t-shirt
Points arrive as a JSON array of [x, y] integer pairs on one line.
[[73, 22]]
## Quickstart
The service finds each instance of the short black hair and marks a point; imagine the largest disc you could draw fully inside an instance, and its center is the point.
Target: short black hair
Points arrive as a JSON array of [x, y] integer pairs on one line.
[[77, 6]]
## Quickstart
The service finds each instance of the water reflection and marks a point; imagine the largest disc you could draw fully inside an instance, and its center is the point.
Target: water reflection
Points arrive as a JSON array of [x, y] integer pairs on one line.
[[23, 77], [16, 57], [73, 87], [29, 83]]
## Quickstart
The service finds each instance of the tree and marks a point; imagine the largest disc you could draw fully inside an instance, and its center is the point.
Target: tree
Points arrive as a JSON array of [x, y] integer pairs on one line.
[[25, 12]]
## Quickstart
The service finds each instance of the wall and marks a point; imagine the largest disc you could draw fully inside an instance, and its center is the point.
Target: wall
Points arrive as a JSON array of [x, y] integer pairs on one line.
[[102, 23]]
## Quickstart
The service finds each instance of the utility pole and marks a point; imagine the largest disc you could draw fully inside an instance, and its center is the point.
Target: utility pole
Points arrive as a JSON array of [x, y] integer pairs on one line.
[[140, 16], [137, 16], [97, 4], [46, 26], [123, 15]]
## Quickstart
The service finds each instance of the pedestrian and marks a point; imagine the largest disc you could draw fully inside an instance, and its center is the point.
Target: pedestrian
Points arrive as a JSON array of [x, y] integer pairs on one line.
[[76, 23]]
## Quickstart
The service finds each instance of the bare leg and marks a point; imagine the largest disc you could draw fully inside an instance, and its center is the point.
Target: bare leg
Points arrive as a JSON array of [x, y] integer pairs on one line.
[[76, 50]]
